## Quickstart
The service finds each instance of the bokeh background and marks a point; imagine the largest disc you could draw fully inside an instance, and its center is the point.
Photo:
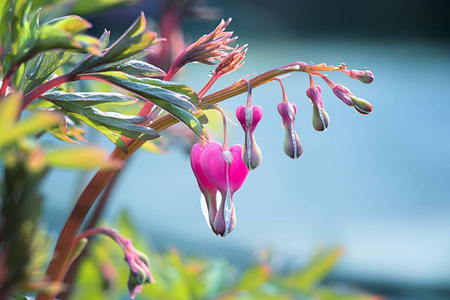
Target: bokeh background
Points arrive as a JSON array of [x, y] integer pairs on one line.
[[377, 185]]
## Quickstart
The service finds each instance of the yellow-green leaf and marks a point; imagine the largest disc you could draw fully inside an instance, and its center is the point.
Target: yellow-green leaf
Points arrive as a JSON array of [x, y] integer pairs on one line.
[[38, 121], [80, 158]]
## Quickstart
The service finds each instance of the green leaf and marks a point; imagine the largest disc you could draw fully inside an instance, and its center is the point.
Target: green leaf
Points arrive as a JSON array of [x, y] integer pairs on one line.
[[18, 297], [114, 136], [113, 125], [133, 67], [88, 99], [149, 88], [80, 158], [40, 68], [72, 24], [118, 123], [343, 293], [319, 267], [136, 39], [9, 108], [87, 7], [36, 122], [52, 37], [27, 38], [171, 96], [254, 277]]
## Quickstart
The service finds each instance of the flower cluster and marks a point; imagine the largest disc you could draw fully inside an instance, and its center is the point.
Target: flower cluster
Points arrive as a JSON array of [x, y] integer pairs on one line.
[[221, 171]]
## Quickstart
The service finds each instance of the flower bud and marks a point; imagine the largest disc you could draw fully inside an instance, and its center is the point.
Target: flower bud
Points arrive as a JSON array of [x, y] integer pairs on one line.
[[292, 146], [343, 93], [249, 117], [320, 118], [362, 106], [364, 76]]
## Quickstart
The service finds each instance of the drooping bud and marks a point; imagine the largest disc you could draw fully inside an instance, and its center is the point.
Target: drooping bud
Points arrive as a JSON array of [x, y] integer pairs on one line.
[[320, 119], [343, 93], [249, 116], [292, 146], [364, 76], [362, 106], [137, 261]]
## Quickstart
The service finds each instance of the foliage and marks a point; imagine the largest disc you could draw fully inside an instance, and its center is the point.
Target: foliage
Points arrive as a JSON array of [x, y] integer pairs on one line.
[[190, 277]]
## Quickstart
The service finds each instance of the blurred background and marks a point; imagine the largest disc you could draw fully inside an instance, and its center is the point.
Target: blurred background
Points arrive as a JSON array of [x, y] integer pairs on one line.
[[375, 185]]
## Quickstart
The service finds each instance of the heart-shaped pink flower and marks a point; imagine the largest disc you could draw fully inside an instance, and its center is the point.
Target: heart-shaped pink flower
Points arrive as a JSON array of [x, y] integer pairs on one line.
[[222, 170]]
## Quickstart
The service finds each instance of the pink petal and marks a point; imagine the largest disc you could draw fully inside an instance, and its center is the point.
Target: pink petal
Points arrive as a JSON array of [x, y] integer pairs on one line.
[[237, 171], [215, 168], [205, 186]]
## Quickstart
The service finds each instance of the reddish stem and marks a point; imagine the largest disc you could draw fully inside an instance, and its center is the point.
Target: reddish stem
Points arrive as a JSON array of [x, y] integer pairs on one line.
[[7, 80], [38, 91], [208, 85]]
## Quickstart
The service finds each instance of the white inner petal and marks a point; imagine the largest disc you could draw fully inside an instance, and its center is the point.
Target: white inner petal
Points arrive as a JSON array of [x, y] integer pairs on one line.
[[204, 209], [249, 149], [227, 207]]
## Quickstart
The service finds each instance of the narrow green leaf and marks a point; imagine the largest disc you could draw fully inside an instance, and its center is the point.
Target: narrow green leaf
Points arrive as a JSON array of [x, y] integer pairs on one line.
[[80, 158], [52, 37], [171, 96], [36, 122], [104, 40], [88, 99], [73, 24], [88, 7], [319, 267], [173, 92], [254, 277], [136, 56], [134, 67], [40, 68], [9, 108], [113, 135], [136, 39]]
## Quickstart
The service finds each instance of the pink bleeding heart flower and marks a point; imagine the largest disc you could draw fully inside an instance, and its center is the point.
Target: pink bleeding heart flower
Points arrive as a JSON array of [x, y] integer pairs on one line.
[[226, 171], [207, 189], [249, 117], [320, 118]]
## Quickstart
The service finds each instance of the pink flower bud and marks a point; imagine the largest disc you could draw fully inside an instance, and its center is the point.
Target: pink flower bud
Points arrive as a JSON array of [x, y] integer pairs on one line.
[[364, 76], [343, 93], [320, 118], [249, 117], [292, 146]]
